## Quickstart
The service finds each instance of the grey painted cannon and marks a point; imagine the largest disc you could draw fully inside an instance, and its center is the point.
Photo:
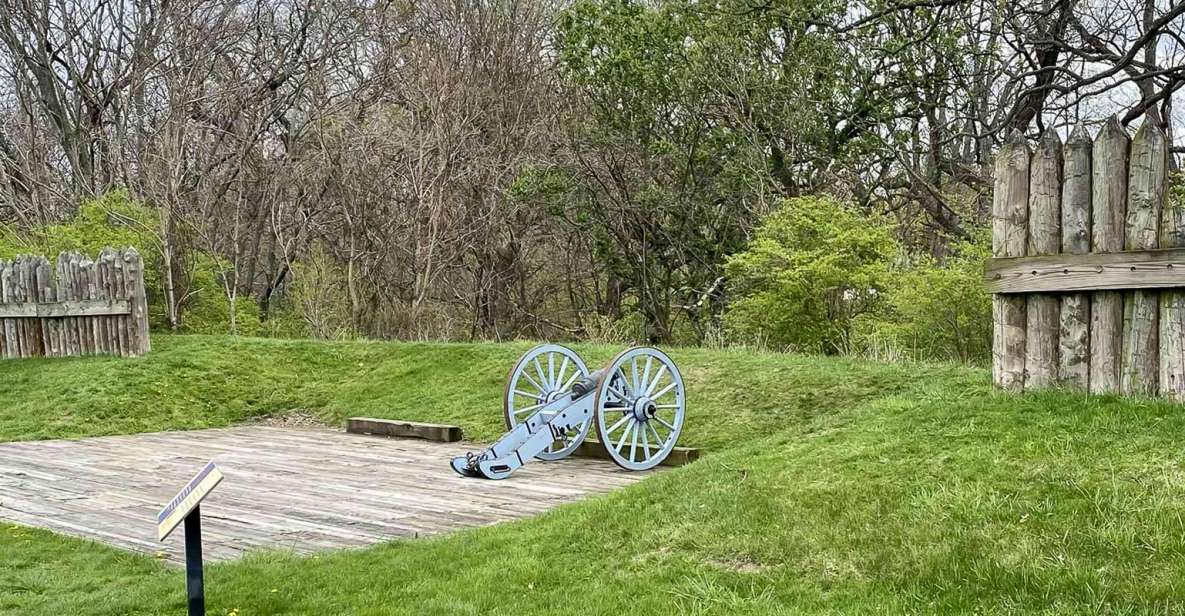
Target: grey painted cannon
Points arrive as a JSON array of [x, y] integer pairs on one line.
[[637, 403]]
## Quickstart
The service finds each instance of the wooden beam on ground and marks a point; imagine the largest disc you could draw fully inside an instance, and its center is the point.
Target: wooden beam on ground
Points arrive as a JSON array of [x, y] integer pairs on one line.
[[679, 456], [441, 433]]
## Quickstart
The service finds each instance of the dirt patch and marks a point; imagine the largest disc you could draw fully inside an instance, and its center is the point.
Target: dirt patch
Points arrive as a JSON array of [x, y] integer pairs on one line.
[[739, 564], [296, 418]]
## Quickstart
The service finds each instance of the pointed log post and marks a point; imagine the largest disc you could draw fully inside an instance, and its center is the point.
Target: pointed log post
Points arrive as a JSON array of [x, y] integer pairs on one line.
[[1108, 214], [8, 294], [1074, 333], [3, 321], [138, 299], [46, 293], [1145, 200], [1010, 223], [1045, 237], [1172, 302]]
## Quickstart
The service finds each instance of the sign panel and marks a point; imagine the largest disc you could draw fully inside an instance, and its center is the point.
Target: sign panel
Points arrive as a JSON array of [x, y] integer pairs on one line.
[[186, 500]]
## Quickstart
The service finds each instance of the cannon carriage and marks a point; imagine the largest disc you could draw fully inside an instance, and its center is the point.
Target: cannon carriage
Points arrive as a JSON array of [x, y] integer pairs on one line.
[[636, 402]]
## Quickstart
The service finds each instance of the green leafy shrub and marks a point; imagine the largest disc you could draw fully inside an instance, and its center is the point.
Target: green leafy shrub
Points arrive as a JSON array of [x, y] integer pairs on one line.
[[112, 220], [116, 220], [812, 267], [934, 311]]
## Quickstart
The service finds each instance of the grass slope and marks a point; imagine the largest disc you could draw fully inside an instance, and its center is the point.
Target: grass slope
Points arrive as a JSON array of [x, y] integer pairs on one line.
[[833, 487]]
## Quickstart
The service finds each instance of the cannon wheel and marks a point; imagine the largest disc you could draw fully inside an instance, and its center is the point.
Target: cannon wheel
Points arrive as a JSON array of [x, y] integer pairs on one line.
[[541, 375], [640, 403]]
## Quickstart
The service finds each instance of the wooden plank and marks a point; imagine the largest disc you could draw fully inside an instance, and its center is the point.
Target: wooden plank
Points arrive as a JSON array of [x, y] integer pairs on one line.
[[1010, 221], [301, 490], [1136, 269], [119, 282], [1108, 212], [138, 300], [1172, 312], [21, 288], [1074, 318], [1044, 310], [73, 308], [1145, 200], [441, 433]]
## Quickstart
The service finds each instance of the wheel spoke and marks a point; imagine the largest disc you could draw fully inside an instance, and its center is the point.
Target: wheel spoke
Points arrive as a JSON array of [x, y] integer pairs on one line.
[[625, 382], [664, 391], [645, 384], [657, 377], [620, 394], [664, 422], [658, 440], [635, 386], [621, 443], [666, 406], [530, 409], [634, 442], [563, 368], [539, 371], [523, 393], [542, 391], [571, 379], [645, 440], [551, 369], [617, 425]]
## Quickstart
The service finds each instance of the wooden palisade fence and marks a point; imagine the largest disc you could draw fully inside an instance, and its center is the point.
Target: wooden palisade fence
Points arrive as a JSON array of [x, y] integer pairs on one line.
[[1089, 265], [77, 307]]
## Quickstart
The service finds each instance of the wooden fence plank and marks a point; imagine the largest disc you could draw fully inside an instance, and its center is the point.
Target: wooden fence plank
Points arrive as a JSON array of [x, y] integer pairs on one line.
[[1043, 310], [73, 308], [1074, 320], [1010, 222], [1137, 269], [1172, 302], [137, 301], [3, 321], [119, 282], [1108, 212], [1146, 176], [11, 347]]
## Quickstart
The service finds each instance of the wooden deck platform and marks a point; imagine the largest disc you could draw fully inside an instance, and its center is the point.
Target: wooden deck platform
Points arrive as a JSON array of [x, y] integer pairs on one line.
[[304, 490]]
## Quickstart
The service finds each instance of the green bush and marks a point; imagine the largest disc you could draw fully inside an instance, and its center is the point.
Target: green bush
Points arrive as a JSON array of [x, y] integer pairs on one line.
[[934, 311], [118, 221], [812, 267], [112, 220]]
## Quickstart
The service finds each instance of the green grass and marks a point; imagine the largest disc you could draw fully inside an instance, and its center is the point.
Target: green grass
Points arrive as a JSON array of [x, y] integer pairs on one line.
[[833, 486]]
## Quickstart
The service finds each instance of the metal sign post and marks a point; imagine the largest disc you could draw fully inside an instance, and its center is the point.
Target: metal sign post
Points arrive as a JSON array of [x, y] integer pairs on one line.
[[194, 592], [185, 508]]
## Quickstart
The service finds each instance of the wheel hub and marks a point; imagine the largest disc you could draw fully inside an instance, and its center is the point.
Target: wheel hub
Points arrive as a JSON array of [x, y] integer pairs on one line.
[[644, 408]]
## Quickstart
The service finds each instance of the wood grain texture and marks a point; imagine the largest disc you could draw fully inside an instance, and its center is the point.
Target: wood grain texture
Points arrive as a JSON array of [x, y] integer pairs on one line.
[[1010, 204], [1172, 302], [75, 308], [1074, 320], [440, 433], [1145, 200], [1043, 311], [1138, 269], [1108, 211], [285, 489]]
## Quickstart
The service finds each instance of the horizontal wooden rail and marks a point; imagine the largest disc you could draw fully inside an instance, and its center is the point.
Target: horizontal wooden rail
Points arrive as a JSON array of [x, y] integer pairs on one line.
[[1137, 269], [76, 308]]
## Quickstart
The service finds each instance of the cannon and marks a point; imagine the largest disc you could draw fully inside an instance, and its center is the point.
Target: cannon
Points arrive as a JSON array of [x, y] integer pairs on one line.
[[637, 402]]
